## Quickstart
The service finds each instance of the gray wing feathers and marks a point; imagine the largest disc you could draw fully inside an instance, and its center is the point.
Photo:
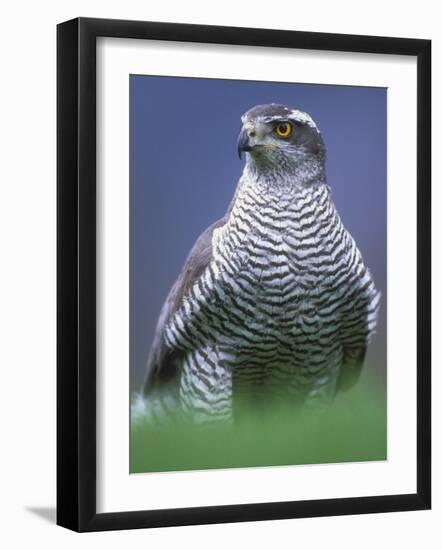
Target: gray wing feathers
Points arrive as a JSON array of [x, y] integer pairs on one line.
[[163, 361]]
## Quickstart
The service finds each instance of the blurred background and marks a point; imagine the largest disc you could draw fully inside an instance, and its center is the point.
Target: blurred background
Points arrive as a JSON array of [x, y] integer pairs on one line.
[[184, 170]]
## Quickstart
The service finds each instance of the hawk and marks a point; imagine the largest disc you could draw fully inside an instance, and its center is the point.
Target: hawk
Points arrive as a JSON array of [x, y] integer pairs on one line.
[[274, 303]]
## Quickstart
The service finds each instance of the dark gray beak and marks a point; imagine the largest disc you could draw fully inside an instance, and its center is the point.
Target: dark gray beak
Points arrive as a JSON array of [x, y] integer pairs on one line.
[[243, 142]]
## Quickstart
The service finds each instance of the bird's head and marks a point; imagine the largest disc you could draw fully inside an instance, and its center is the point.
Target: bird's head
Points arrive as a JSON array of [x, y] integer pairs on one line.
[[280, 139]]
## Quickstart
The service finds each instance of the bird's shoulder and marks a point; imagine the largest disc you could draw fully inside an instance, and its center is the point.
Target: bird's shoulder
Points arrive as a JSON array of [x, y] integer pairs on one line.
[[198, 259], [163, 361]]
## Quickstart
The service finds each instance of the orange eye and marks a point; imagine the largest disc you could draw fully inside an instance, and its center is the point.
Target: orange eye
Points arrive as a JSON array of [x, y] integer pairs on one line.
[[284, 129]]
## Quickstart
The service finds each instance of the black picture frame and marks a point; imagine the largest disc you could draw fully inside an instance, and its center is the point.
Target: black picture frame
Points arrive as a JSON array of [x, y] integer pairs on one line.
[[76, 274]]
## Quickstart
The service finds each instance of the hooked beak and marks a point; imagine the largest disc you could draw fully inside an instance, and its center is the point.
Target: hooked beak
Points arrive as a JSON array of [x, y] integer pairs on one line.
[[243, 142]]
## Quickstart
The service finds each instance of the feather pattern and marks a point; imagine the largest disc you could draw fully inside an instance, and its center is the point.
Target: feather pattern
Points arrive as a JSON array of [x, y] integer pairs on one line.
[[274, 303]]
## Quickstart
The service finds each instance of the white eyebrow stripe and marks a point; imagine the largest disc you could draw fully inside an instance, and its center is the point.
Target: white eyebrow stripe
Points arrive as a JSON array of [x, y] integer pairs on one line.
[[275, 117], [303, 117]]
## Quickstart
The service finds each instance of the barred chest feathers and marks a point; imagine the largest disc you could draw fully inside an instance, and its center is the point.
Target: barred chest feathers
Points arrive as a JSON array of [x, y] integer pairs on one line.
[[273, 257], [285, 289]]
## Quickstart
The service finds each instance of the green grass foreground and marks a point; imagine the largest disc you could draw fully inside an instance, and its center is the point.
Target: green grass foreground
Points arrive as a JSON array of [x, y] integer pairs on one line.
[[354, 429]]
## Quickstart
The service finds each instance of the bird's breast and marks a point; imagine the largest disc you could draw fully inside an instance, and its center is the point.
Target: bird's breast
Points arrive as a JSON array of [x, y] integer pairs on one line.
[[267, 282]]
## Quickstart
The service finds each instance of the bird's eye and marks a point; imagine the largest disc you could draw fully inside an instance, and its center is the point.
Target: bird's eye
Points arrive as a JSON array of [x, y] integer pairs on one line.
[[284, 129]]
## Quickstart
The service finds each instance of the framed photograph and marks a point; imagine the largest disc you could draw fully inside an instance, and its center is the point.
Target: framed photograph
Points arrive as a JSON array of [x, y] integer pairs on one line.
[[243, 274]]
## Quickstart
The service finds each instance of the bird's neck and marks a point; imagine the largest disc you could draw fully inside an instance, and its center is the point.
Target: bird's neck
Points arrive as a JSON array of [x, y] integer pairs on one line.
[[290, 203], [285, 174], [261, 221]]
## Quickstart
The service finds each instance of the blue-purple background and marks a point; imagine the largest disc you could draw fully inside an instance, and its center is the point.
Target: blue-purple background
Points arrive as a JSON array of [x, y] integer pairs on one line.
[[184, 170]]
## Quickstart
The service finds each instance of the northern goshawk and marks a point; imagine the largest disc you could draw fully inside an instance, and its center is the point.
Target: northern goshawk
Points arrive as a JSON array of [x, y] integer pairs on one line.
[[274, 303]]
